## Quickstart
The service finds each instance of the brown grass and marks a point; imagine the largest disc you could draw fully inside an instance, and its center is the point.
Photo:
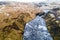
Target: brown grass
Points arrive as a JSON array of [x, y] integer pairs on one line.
[[13, 17]]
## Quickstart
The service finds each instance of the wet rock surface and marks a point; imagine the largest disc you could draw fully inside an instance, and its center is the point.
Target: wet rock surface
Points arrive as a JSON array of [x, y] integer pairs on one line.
[[36, 30]]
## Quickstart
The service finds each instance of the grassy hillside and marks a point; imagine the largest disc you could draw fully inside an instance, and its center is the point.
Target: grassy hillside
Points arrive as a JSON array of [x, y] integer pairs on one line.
[[13, 17]]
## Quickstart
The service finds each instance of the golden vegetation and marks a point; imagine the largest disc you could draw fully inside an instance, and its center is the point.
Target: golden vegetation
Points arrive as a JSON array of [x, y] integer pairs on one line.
[[13, 17]]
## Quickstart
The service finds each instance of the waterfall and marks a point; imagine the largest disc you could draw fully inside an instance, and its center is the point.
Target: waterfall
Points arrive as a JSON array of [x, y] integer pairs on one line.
[[36, 30]]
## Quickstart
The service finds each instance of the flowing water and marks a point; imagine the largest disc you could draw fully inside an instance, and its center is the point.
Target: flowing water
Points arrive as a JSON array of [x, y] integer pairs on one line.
[[36, 30]]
